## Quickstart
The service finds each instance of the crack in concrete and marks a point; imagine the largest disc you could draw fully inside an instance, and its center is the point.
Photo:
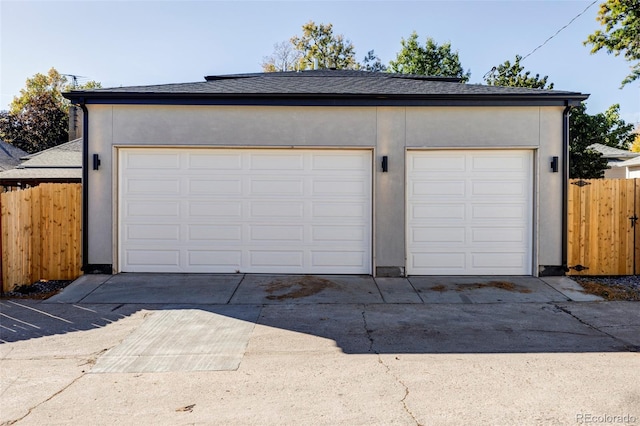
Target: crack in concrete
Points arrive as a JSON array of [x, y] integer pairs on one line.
[[388, 370], [628, 346], [89, 360], [573, 333], [6, 356], [30, 410]]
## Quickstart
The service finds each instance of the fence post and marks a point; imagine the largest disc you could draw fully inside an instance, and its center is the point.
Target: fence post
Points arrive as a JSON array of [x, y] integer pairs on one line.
[[1, 244]]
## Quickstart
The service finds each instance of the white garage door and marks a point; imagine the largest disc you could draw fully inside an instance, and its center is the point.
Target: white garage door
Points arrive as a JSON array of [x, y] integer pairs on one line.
[[469, 212], [253, 210]]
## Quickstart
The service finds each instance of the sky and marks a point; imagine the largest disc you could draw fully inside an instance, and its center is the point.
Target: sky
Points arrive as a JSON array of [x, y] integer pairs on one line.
[[127, 43]]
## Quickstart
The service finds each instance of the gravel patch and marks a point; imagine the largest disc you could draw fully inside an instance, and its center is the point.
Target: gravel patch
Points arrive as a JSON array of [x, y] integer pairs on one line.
[[625, 287], [39, 290]]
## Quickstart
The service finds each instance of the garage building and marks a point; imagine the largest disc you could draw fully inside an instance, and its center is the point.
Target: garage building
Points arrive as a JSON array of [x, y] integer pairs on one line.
[[325, 172]]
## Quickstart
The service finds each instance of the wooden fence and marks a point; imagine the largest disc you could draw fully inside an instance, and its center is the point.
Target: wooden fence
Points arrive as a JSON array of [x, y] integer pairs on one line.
[[603, 227], [40, 234]]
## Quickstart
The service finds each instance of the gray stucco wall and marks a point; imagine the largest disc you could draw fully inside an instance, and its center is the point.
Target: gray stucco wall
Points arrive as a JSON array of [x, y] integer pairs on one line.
[[388, 131]]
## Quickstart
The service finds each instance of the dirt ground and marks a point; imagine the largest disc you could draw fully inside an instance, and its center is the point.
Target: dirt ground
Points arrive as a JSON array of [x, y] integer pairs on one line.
[[612, 288]]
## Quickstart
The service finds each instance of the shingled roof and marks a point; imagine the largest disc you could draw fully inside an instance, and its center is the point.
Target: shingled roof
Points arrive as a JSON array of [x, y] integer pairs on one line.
[[327, 87], [60, 163], [9, 156], [611, 152]]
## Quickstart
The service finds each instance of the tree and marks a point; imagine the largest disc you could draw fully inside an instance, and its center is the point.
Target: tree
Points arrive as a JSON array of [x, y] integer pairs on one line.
[[372, 63], [41, 124], [635, 146], [605, 128], [284, 58], [52, 83], [430, 59], [318, 42], [621, 35], [39, 117], [584, 130], [508, 74]]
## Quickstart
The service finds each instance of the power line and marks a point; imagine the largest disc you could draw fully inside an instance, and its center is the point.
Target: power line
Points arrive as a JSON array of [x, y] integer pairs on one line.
[[560, 30], [492, 70]]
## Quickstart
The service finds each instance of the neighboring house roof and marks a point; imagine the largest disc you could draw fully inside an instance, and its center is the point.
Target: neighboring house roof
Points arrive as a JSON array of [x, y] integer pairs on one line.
[[62, 162], [9, 156], [611, 152], [64, 155], [327, 87], [634, 162]]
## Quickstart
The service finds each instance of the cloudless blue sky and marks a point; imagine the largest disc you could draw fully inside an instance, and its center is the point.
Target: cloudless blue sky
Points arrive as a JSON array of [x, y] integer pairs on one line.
[[123, 43]]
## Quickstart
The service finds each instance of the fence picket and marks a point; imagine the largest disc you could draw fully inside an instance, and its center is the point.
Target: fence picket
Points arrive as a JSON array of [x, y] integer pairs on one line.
[[600, 235], [40, 234]]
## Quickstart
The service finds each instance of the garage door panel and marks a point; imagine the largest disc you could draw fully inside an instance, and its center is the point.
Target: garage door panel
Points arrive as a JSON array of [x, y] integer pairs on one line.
[[331, 233], [276, 258], [437, 163], [501, 235], [168, 232], [161, 186], [470, 220], [502, 260], [445, 188], [503, 163], [440, 234], [498, 211], [276, 233], [339, 187], [280, 162], [339, 162], [218, 186], [267, 186], [151, 208], [498, 189], [340, 210], [215, 209], [326, 259], [277, 209], [272, 210], [201, 160], [440, 211], [225, 260], [440, 262], [215, 233], [152, 161], [147, 257]]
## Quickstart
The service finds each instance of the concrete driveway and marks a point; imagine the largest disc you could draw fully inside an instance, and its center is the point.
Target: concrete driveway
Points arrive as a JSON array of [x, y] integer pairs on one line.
[[259, 349]]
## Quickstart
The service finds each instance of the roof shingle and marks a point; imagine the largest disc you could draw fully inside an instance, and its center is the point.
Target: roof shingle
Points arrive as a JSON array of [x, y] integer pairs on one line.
[[336, 84]]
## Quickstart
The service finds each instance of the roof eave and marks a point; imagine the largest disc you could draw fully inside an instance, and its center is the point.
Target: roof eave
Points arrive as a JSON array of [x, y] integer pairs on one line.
[[140, 98]]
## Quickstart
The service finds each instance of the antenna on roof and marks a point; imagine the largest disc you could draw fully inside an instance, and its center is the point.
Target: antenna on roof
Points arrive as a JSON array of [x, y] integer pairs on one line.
[[74, 79]]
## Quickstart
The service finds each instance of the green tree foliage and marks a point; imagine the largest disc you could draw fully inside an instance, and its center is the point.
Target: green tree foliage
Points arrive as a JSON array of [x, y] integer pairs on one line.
[[431, 59], [372, 63], [621, 35], [606, 128], [508, 74], [39, 117], [53, 84], [318, 42], [40, 124]]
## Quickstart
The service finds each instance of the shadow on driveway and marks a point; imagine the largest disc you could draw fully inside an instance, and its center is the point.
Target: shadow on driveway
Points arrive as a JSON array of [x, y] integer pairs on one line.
[[370, 328]]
